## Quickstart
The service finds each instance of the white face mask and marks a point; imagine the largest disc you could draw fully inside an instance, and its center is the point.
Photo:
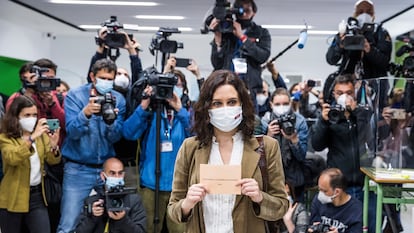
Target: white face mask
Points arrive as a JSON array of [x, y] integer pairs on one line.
[[28, 123], [226, 118], [281, 110], [364, 18], [325, 199], [121, 81], [261, 99], [342, 100]]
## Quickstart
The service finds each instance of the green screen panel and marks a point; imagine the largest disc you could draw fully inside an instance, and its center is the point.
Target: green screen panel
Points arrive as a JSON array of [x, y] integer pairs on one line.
[[9, 75]]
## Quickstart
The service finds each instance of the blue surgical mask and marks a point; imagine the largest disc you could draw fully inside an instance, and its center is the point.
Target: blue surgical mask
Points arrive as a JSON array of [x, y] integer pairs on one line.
[[178, 91], [112, 182], [104, 86]]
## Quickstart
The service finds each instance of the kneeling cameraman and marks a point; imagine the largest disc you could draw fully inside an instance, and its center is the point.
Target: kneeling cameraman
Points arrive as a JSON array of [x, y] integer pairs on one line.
[[127, 215]]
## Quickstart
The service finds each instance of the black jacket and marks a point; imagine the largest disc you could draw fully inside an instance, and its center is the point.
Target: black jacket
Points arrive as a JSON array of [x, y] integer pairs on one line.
[[376, 62], [133, 221], [347, 142], [256, 50]]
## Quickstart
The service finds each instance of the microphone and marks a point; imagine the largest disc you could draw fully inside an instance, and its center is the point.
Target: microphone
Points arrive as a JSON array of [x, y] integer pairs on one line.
[[303, 36]]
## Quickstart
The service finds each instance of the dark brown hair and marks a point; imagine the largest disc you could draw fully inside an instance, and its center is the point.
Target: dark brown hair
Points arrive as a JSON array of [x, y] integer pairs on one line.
[[10, 123], [202, 127], [181, 76]]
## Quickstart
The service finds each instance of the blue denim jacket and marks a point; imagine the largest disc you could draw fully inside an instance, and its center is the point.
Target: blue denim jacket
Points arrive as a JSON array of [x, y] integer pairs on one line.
[[142, 124], [90, 140]]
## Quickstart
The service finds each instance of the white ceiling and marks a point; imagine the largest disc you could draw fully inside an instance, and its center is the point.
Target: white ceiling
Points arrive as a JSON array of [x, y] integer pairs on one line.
[[321, 14]]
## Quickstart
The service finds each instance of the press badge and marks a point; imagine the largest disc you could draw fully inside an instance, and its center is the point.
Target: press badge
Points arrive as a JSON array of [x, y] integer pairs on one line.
[[240, 65], [166, 146]]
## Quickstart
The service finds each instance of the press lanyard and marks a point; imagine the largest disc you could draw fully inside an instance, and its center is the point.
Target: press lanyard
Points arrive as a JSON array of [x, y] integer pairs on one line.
[[169, 113], [106, 226]]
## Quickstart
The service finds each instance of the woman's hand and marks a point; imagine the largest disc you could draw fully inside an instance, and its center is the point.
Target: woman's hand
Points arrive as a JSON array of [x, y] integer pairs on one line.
[[250, 188], [195, 194], [54, 138], [41, 127]]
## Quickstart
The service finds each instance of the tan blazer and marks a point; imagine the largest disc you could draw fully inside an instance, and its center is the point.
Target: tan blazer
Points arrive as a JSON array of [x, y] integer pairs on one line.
[[246, 217]]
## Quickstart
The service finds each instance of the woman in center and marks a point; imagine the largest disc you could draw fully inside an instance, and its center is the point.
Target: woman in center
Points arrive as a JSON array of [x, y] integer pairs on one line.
[[224, 122]]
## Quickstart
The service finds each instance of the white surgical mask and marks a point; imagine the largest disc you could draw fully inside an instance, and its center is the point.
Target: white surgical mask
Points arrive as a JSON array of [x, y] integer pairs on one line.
[[178, 91], [342, 100], [281, 110], [226, 118], [364, 18], [28, 123], [104, 86], [325, 199], [261, 99], [121, 81]]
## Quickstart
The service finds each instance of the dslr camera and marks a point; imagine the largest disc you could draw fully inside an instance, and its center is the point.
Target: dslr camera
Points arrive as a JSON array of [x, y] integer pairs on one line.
[[161, 43], [113, 39], [44, 83], [354, 34], [108, 103], [320, 228], [115, 199], [286, 122], [162, 84], [223, 12]]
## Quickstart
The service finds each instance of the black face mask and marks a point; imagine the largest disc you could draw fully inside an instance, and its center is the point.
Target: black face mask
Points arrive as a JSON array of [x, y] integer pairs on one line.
[[245, 23]]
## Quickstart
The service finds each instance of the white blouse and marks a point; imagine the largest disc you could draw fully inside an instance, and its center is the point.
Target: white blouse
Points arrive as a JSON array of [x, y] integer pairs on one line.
[[218, 208], [35, 174]]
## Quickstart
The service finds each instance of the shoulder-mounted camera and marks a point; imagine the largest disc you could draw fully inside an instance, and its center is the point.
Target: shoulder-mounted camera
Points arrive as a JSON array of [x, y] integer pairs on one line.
[[161, 43], [223, 12], [354, 35], [162, 84], [44, 83], [113, 38]]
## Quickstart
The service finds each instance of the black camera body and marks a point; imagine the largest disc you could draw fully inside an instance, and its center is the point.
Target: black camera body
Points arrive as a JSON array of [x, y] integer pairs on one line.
[[224, 12], [354, 36], [161, 43], [336, 113], [113, 38], [286, 122], [108, 103], [44, 83], [116, 199], [320, 228], [162, 84]]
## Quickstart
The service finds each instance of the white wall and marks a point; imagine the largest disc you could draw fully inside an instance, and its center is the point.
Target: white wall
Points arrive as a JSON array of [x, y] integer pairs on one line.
[[72, 50]]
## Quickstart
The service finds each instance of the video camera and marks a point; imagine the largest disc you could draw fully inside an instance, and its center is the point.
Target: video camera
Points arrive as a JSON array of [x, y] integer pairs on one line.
[[113, 39], [108, 103], [223, 12], [44, 83], [320, 228], [354, 34], [407, 68], [116, 199], [161, 43], [286, 122], [162, 84]]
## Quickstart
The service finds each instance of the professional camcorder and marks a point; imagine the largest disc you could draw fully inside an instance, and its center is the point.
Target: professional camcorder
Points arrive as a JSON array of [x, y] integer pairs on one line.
[[113, 39], [108, 103], [115, 199], [162, 84], [354, 34], [320, 228], [407, 68], [44, 83], [161, 43], [286, 122], [223, 12]]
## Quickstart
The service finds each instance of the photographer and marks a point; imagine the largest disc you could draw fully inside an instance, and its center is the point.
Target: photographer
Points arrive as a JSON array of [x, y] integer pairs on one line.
[[372, 61], [94, 119], [333, 210], [248, 43], [290, 129], [344, 128], [97, 219], [174, 128]]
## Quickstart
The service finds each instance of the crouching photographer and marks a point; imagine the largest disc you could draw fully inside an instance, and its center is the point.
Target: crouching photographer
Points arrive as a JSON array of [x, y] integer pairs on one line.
[[112, 207], [291, 130]]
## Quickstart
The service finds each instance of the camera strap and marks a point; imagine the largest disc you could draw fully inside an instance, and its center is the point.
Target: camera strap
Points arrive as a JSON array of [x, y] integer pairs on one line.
[[106, 230]]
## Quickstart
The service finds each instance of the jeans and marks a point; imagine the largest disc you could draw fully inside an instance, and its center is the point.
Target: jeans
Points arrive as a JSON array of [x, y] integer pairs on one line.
[[357, 192], [37, 219], [78, 181]]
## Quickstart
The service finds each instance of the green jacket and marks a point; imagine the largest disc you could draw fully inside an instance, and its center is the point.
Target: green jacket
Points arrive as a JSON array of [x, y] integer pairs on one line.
[[15, 186], [245, 218]]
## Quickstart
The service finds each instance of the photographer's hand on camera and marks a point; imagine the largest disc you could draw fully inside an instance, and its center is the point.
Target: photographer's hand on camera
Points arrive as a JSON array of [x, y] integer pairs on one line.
[[116, 215], [92, 107], [175, 102], [98, 208], [130, 45], [170, 65], [273, 128], [217, 34], [146, 98]]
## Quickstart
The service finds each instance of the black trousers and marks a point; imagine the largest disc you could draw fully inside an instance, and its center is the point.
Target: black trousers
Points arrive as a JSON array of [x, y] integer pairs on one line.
[[36, 220]]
